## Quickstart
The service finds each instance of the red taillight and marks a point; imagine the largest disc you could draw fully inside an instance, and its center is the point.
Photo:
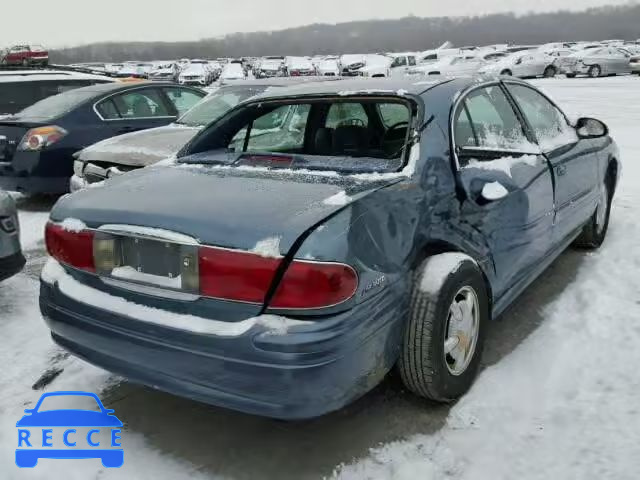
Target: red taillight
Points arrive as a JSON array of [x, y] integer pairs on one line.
[[247, 277], [71, 248], [235, 275], [315, 285]]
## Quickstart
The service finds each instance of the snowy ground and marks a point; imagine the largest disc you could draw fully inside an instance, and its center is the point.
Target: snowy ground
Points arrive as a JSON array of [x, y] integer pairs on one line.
[[557, 399]]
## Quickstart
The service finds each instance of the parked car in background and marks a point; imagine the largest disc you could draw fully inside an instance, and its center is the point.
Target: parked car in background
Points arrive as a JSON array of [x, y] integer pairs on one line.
[[21, 88], [11, 258], [198, 74], [25, 55], [401, 63], [459, 65], [523, 64], [134, 70], [351, 64], [634, 63], [598, 62], [314, 239], [165, 72], [299, 67], [329, 67], [39, 142], [232, 71], [432, 56], [124, 153], [561, 58], [376, 66], [269, 67]]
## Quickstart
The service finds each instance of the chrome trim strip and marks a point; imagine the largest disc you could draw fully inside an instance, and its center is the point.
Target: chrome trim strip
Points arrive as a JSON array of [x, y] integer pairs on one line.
[[149, 290]]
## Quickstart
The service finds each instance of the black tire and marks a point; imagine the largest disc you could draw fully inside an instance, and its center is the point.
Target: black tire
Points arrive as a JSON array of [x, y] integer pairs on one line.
[[423, 365], [595, 231], [507, 73], [571, 75], [550, 72], [594, 71]]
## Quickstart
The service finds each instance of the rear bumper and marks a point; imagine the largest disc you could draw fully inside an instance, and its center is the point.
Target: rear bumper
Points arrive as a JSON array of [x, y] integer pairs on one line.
[[294, 376], [35, 185], [37, 172], [11, 265]]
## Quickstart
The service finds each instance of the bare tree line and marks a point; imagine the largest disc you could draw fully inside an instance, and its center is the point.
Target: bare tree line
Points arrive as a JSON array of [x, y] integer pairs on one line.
[[410, 33]]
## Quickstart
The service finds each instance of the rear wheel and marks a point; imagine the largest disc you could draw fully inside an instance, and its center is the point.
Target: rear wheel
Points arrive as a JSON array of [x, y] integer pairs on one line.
[[550, 71], [595, 71], [445, 333], [595, 231]]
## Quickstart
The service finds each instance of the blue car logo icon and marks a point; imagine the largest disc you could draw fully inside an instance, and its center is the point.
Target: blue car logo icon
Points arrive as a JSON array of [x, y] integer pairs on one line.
[[35, 432]]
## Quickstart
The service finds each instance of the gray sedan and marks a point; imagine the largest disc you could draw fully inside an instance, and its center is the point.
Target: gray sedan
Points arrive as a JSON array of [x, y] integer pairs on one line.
[[11, 259], [597, 62]]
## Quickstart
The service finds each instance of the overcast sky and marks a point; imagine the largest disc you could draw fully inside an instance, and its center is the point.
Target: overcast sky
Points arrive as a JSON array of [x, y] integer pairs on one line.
[[73, 22]]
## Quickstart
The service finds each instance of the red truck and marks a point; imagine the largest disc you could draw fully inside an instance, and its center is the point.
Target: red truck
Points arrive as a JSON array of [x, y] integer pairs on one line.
[[25, 55]]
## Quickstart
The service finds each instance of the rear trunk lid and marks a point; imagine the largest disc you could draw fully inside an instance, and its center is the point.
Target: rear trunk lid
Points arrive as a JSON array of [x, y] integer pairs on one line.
[[225, 207], [150, 224]]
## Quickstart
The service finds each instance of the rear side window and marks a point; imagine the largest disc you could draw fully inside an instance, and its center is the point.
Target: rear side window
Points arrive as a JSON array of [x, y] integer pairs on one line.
[[486, 119], [393, 114], [136, 104]]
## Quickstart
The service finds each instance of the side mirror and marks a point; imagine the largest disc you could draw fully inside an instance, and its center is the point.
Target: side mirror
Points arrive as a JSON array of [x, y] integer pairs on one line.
[[519, 61], [591, 128]]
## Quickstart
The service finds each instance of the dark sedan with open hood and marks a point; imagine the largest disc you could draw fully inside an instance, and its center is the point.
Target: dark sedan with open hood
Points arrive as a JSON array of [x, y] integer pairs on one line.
[[316, 236]]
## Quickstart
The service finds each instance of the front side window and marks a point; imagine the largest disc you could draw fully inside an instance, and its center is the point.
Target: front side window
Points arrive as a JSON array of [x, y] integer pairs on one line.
[[549, 124], [183, 100], [490, 121]]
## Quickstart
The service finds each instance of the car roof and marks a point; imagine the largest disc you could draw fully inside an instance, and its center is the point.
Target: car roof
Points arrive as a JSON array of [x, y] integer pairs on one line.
[[118, 86], [42, 75], [357, 87], [275, 82]]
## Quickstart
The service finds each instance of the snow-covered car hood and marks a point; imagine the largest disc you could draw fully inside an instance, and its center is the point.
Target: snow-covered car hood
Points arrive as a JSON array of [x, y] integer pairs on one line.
[[140, 149], [328, 65], [270, 66], [194, 70], [300, 65]]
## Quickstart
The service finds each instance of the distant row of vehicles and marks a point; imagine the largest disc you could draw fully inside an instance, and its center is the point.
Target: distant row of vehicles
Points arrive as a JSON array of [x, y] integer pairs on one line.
[[548, 60]]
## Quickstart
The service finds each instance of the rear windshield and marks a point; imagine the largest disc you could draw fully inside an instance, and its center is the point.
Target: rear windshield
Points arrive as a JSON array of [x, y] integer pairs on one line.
[[15, 96], [341, 134], [57, 105], [216, 105]]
